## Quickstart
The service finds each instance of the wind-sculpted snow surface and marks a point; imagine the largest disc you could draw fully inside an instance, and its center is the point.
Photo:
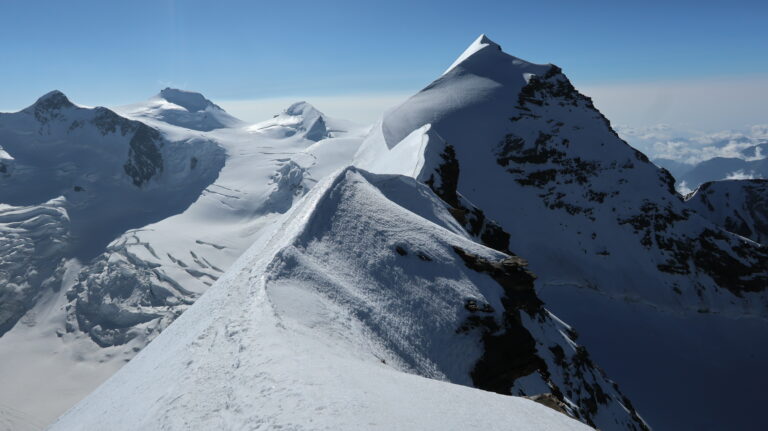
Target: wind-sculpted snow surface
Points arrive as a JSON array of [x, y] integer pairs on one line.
[[333, 319], [738, 206]]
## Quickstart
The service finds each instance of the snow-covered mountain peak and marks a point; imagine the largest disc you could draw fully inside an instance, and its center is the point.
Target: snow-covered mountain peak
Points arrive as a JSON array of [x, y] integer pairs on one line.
[[49, 106], [484, 81], [302, 108], [523, 144], [189, 100], [485, 57], [182, 108], [53, 100], [479, 44], [300, 118]]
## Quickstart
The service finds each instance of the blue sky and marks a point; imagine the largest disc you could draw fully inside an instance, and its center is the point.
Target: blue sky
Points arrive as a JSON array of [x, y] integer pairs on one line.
[[109, 52]]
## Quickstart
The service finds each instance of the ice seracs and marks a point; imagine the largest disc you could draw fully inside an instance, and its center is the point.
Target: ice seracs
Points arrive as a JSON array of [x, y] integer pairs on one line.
[[105, 174], [33, 240]]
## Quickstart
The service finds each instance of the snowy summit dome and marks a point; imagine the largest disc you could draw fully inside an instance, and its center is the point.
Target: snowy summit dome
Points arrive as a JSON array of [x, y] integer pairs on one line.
[[189, 100]]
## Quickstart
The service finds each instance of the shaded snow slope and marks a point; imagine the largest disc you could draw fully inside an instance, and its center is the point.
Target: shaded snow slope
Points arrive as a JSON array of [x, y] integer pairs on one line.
[[739, 206], [334, 317], [182, 108]]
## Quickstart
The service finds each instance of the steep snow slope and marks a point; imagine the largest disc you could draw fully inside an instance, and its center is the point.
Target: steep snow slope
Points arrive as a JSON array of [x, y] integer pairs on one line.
[[157, 255], [587, 209], [592, 215], [333, 319], [182, 108], [739, 206]]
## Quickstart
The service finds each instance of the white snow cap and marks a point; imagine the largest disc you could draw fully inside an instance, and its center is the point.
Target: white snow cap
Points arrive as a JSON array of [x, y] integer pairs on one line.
[[480, 43], [181, 108], [189, 100], [302, 108]]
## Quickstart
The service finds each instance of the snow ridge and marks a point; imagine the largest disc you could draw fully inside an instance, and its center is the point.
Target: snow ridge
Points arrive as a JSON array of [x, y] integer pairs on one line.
[[344, 283]]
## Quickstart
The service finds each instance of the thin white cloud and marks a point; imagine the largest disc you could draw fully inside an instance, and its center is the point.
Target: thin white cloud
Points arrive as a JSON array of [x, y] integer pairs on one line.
[[692, 147], [741, 175]]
